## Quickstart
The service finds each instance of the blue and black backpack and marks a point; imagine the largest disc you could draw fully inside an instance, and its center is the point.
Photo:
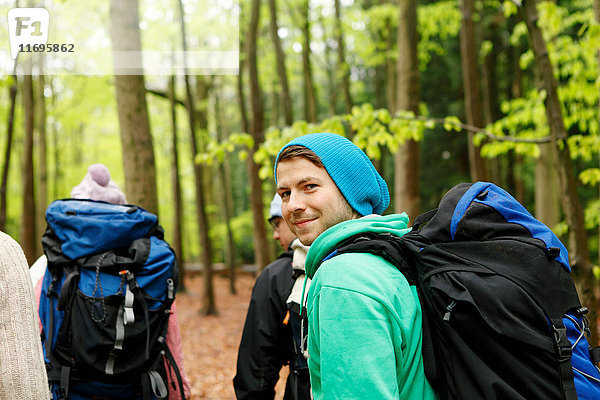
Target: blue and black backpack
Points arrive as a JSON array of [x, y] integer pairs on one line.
[[501, 315], [105, 302]]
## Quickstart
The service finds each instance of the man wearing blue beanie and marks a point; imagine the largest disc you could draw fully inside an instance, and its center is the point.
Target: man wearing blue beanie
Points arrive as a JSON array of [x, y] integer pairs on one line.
[[364, 320]]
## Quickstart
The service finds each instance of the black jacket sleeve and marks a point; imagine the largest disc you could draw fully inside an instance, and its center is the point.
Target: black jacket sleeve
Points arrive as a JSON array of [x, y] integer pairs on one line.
[[266, 343]]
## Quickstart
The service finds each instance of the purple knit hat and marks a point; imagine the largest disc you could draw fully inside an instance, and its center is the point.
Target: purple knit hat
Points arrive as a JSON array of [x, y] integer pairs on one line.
[[96, 185]]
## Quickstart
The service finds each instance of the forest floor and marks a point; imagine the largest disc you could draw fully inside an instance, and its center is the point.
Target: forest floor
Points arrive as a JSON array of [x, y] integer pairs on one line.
[[210, 343]]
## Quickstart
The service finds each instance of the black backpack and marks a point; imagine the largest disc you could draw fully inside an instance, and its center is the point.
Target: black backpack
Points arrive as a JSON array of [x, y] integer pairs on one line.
[[501, 316], [105, 303]]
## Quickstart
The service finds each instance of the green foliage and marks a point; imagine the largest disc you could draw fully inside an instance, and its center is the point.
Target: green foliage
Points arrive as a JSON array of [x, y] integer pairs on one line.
[[452, 124], [83, 124], [438, 21], [242, 228], [509, 8], [592, 214], [571, 36], [590, 176]]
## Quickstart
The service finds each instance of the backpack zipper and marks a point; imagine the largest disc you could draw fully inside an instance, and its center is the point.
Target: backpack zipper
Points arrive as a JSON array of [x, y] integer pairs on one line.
[[449, 309]]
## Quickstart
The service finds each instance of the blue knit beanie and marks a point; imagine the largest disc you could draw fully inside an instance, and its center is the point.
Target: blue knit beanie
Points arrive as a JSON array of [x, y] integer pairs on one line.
[[350, 169]]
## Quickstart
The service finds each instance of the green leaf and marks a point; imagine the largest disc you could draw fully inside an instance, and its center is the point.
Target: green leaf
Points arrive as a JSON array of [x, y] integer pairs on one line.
[[590, 176], [509, 8]]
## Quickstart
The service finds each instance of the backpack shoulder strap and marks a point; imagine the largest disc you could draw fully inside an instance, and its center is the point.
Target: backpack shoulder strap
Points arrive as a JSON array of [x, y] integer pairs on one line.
[[385, 245], [391, 248]]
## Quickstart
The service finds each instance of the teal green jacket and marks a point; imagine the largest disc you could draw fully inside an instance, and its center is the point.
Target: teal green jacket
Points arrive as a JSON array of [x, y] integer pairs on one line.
[[364, 338]]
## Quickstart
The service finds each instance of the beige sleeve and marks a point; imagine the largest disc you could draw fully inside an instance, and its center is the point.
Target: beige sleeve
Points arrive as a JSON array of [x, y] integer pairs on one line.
[[22, 370]]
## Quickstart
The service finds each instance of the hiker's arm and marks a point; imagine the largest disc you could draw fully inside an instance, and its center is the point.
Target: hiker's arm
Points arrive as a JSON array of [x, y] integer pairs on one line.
[[356, 351], [22, 371], [265, 342]]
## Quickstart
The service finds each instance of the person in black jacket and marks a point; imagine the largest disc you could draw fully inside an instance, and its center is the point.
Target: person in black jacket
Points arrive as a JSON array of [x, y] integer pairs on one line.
[[272, 324]]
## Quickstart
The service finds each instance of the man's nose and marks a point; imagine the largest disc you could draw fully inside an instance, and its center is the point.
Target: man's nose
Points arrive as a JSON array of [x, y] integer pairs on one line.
[[296, 202]]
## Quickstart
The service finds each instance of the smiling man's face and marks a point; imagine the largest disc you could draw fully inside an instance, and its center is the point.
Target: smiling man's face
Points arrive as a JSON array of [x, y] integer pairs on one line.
[[311, 201]]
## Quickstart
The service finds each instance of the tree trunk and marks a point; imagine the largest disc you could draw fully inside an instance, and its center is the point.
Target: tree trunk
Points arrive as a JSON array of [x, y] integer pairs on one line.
[[407, 167], [491, 110], [275, 96], [240, 86], [209, 306], [329, 60], [136, 140], [471, 89], [28, 223], [568, 182], [515, 91], [596, 286], [57, 174], [43, 159], [10, 127], [310, 102], [547, 199], [225, 200], [343, 68], [261, 252], [578, 244], [286, 100], [177, 202], [391, 72]]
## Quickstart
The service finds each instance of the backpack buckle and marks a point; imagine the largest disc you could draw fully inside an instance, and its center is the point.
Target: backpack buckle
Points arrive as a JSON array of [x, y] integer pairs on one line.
[[563, 346]]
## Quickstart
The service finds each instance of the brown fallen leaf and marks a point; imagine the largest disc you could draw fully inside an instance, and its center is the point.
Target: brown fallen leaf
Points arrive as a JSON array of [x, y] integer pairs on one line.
[[210, 343]]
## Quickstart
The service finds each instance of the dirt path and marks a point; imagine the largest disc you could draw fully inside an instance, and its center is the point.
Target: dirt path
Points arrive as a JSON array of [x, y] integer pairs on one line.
[[210, 343]]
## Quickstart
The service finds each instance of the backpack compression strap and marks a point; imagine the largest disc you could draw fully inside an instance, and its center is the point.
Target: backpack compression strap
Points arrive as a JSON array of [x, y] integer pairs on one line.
[[172, 364], [153, 385], [564, 351]]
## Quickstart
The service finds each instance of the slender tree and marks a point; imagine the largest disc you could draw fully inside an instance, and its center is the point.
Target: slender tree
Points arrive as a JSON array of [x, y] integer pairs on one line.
[[343, 67], [547, 201], [390, 69], [56, 171], [407, 98], [578, 240], [568, 182], [175, 179], [10, 127], [597, 290], [329, 59], [209, 307], [514, 91], [472, 88], [225, 197], [136, 139], [261, 247], [28, 223], [42, 178], [286, 100], [240, 86], [489, 80], [310, 102]]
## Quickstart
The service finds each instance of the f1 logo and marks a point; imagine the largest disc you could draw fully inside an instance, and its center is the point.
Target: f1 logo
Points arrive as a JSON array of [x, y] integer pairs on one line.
[[27, 26]]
